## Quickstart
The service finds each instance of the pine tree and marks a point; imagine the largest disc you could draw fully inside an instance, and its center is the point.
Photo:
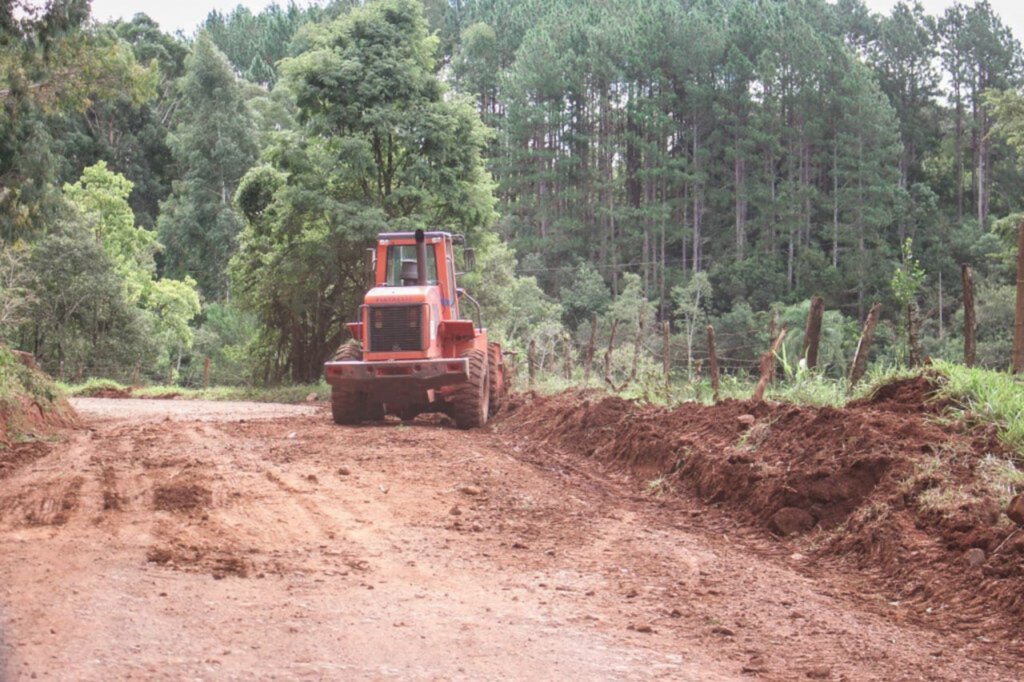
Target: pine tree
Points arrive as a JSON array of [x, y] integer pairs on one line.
[[213, 143]]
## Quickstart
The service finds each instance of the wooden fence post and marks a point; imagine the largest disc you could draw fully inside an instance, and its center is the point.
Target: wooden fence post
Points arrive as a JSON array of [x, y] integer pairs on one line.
[[1018, 324], [713, 362], [913, 334], [531, 361], [970, 323], [666, 354], [812, 334], [206, 372], [567, 359], [768, 366], [590, 350], [860, 358], [608, 354]]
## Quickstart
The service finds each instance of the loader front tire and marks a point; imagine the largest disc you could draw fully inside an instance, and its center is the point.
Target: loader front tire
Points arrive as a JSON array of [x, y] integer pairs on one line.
[[471, 399], [349, 406]]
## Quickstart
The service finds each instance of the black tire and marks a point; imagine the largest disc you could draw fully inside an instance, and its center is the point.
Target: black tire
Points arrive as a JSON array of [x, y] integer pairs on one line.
[[349, 406], [495, 389], [470, 400]]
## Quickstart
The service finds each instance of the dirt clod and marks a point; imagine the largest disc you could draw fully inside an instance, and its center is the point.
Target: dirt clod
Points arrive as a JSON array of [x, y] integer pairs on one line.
[[975, 557], [1015, 510], [791, 521], [181, 497]]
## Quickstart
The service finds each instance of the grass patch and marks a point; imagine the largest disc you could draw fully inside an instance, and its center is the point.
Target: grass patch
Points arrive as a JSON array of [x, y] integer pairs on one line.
[[273, 394], [987, 396], [92, 387]]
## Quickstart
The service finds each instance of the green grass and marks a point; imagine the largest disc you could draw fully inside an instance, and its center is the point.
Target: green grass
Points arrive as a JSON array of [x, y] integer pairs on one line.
[[989, 397], [274, 394]]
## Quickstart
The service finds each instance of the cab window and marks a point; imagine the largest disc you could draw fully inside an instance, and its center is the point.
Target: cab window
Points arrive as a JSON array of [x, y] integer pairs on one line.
[[406, 253]]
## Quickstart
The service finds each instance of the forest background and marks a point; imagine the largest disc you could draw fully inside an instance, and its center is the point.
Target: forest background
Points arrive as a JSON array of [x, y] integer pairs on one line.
[[168, 199]]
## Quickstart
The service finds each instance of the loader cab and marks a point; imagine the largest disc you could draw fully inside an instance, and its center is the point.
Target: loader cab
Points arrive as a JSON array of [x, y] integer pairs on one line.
[[396, 266]]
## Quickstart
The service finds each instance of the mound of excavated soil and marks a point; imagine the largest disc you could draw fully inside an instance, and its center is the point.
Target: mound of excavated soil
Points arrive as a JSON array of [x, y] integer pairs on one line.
[[882, 484]]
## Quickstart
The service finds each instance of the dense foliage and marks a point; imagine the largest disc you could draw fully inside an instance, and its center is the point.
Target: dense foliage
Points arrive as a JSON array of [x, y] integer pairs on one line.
[[618, 163]]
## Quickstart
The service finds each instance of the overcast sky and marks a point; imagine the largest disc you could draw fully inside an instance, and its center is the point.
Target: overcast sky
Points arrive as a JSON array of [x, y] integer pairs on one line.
[[187, 14]]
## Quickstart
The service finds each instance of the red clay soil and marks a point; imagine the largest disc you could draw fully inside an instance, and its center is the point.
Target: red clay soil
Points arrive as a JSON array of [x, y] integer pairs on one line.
[[883, 486]]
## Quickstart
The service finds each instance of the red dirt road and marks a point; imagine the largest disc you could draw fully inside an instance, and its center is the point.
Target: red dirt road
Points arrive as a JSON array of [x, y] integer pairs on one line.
[[179, 539]]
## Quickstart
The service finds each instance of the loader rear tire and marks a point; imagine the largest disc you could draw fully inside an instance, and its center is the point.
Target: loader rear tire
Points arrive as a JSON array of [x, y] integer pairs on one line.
[[349, 406], [498, 385], [470, 400]]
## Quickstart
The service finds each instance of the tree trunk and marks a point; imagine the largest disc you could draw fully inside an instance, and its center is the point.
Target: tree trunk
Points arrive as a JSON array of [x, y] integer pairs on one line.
[[1018, 324], [713, 362], [860, 358], [970, 323], [812, 334], [740, 201]]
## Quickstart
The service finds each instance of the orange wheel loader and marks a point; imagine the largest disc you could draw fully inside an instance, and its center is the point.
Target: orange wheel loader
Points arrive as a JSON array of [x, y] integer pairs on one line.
[[413, 351]]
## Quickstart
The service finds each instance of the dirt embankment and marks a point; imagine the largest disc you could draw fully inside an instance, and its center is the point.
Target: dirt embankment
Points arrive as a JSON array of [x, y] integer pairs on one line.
[[886, 485], [31, 407]]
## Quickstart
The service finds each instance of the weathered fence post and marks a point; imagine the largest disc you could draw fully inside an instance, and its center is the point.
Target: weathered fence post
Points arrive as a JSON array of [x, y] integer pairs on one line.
[[773, 332], [1018, 324], [812, 334], [914, 334], [567, 359], [713, 362], [970, 323], [768, 365], [206, 372], [531, 361], [135, 373], [860, 358], [608, 354], [590, 350], [666, 354]]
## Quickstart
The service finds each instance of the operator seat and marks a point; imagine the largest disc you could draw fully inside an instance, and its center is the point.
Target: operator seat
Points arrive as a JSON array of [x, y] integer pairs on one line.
[[409, 273]]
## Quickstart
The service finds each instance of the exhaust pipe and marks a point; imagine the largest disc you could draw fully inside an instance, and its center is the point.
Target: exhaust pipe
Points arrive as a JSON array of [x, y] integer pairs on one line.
[[421, 259]]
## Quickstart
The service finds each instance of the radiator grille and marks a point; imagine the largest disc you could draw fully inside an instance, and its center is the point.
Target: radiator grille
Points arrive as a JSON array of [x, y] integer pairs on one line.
[[396, 328]]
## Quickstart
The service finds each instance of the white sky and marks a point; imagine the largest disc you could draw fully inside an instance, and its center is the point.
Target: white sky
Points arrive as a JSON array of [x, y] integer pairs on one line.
[[187, 14], [184, 15], [1010, 11]]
